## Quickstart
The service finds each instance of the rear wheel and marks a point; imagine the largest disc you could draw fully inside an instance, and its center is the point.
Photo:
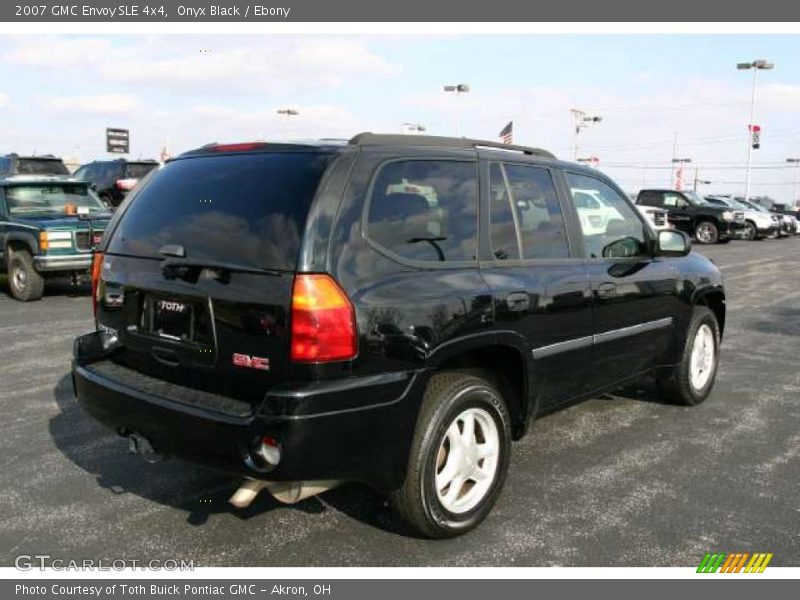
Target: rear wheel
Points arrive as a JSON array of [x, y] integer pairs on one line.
[[691, 380], [706, 232], [24, 280], [459, 456], [750, 230]]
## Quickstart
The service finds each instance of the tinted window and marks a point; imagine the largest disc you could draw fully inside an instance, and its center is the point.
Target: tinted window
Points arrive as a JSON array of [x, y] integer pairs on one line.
[[138, 170], [248, 209], [650, 199], [505, 244], [426, 210], [539, 217], [614, 230], [30, 166]]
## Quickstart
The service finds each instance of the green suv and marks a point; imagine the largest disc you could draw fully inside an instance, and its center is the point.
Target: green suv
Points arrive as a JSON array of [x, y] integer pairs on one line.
[[49, 227]]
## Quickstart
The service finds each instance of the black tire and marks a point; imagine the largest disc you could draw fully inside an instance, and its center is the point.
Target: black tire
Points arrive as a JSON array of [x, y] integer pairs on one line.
[[447, 397], [750, 231], [706, 232], [24, 280], [677, 386]]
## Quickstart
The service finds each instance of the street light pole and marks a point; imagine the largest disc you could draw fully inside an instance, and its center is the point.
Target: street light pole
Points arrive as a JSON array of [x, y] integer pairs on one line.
[[582, 121], [413, 128], [459, 88], [756, 66], [289, 113]]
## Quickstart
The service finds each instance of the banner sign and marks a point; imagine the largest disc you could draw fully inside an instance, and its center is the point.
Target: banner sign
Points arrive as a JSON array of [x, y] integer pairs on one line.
[[755, 136]]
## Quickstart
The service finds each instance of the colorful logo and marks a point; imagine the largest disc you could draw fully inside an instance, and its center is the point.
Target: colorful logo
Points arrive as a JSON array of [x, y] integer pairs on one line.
[[735, 562]]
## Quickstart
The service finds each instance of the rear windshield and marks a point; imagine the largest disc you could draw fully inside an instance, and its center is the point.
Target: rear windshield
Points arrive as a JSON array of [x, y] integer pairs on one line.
[[51, 198], [38, 166], [138, 170], [247, 209]]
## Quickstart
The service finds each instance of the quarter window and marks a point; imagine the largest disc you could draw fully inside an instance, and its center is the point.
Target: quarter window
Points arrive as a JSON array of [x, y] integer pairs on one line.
[[505, 244], [426, 210], [610, 226]]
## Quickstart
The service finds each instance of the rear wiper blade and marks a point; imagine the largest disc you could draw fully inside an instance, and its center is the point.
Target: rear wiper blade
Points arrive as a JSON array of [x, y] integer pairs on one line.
[[183, 267]]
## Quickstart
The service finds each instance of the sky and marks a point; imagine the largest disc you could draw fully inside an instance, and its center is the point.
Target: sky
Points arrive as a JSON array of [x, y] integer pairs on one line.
[[58, 94]]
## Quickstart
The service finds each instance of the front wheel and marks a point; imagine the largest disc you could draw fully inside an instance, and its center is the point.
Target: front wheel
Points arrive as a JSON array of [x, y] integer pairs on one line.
[[691, 380], [706, 232], [24, 280], [750, 231], [459, 456]]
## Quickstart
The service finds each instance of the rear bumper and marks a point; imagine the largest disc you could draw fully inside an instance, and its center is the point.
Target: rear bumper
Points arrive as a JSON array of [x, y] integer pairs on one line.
[[65, 262], [356, 429]]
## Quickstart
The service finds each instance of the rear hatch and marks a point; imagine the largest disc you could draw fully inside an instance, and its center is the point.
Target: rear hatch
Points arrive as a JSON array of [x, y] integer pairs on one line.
[[197, 275]]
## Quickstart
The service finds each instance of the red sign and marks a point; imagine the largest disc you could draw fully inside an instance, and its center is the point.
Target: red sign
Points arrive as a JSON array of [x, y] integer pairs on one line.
[[755, 136]]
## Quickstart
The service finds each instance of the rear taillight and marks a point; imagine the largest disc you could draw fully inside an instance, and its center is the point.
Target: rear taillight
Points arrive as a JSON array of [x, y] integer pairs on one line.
[[323, 321], [126, 184], [97, 263]]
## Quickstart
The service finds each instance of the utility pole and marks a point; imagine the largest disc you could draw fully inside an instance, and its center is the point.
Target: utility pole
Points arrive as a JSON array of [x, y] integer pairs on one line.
[[698, 181], [796, 163]]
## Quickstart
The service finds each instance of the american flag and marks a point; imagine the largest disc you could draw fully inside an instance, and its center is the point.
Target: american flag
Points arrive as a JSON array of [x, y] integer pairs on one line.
[[506, 133]]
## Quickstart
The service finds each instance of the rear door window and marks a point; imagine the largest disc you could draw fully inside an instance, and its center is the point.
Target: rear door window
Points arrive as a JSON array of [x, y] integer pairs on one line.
[[541, 223], [426, 210], [247, 209]]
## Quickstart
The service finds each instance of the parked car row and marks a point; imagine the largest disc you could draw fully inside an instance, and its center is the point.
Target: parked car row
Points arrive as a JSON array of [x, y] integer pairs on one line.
[[718, 219], [51, 221]]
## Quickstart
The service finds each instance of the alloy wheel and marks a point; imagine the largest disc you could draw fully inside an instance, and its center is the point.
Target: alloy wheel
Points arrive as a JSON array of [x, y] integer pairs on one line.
[[467, 460], [703, 357]]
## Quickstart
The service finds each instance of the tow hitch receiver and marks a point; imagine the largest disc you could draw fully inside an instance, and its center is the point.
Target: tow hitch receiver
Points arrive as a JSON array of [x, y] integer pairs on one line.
[[138, 444]]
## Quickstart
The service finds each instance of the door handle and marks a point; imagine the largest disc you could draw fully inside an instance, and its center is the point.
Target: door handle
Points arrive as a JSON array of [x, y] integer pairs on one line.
[[606, 290], [518, 301]]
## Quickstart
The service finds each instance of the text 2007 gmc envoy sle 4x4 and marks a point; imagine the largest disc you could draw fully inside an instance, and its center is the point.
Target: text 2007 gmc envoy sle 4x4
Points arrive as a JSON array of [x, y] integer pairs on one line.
[[394, 310]]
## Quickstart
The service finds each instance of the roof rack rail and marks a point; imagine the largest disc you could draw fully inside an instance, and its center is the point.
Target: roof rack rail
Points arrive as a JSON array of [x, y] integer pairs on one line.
[[380, 139]]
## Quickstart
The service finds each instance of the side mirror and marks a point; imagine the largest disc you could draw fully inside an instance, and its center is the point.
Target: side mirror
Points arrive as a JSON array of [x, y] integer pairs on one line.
[[672, 243]]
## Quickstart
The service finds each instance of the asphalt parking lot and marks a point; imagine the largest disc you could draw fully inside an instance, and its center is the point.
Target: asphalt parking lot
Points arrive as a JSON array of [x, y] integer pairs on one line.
[[622, 480]]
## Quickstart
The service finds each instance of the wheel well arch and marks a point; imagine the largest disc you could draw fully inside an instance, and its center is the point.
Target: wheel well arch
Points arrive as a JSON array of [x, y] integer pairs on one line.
[[715, 300], [506, 368], [20, 242]]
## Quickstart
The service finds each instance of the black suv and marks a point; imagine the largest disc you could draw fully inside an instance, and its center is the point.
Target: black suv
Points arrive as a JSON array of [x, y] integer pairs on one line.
[[692, 214], [113, 179], [45, 164], [393, 310]]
